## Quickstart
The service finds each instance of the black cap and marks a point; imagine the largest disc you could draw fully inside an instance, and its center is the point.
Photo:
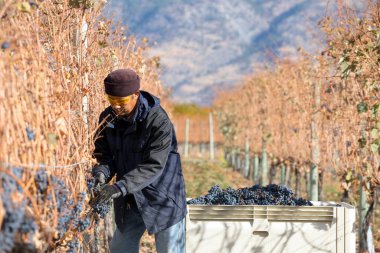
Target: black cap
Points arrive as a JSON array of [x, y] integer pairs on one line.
[[122, 83]]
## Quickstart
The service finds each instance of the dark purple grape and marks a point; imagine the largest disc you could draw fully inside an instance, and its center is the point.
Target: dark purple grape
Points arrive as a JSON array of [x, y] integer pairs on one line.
[[73, 246], [255, 195], [82, 224], [102, 209], [41, 180], [5, 45], [30, 134]]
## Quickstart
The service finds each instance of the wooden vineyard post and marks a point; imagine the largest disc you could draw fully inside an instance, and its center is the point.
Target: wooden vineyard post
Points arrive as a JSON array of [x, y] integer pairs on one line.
[[283, 174], [233, 158], [363, 209], [97, 235], [256, 168], [315, 144], [264, 164], [247, 161], [211, 137], [298, 181], [187, 138], [238, 162]]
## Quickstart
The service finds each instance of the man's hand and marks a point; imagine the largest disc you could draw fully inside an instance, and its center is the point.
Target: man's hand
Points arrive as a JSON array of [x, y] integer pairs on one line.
[[107, 193], [100, 179]]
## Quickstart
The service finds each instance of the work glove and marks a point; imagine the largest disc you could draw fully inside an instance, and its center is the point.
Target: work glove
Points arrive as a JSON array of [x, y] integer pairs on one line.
[[107, 193], [100, 179]]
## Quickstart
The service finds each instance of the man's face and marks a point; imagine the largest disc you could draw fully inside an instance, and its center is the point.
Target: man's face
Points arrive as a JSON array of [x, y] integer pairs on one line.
[[123, 105]]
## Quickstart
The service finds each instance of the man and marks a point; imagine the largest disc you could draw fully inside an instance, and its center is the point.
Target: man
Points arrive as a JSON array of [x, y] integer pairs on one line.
[[137, 143]]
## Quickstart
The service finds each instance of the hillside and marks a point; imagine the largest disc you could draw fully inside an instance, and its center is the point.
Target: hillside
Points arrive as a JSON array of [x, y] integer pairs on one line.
[[206, 45]]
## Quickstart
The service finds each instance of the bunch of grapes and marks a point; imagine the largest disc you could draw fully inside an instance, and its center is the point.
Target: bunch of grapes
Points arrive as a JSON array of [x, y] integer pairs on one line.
[[82, 224], [72, 246], [41, 181], [16, 220], [103, 208], [19, 221], [71, 215], [12, 221], [256, 195]]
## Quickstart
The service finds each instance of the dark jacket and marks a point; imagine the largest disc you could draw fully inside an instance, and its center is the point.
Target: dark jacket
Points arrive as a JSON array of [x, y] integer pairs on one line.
[[142, 152]]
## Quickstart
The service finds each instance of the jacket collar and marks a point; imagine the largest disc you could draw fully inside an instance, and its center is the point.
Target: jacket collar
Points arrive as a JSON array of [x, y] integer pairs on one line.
[[145, 103]]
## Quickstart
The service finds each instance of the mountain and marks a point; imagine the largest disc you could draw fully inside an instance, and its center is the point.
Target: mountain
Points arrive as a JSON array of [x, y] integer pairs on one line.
[[210, 45]]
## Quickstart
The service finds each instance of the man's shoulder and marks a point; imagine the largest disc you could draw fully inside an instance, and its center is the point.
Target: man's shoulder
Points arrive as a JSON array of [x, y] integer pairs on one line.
[[157, 111], [158, 115]]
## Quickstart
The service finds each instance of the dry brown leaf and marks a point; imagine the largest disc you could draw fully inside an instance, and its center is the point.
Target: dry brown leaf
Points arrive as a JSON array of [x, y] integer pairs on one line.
[[61, 126]]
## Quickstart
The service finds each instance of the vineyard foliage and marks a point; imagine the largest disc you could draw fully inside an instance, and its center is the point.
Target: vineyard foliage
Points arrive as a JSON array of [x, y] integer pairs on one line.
[[277, 105], [320, 109], [54, 56]]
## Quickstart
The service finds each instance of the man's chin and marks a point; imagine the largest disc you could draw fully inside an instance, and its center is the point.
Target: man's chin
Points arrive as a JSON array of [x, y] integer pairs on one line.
[[122, 114]]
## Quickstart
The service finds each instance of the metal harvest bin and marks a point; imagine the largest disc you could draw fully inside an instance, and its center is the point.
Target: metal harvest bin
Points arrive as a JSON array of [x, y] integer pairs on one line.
[[324, 227]]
